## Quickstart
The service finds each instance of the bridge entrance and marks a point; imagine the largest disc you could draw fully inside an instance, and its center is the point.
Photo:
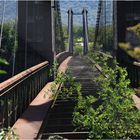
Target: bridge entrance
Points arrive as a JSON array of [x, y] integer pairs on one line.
[[71, 33]]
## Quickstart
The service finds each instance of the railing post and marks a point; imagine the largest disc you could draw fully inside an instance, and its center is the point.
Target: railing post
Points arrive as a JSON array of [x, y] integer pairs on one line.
[[85, 31], [70, 30]]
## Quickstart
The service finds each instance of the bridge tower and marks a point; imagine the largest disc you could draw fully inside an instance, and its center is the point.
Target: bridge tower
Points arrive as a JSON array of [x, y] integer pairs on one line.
[[85, 31], [35, 33], [70, 30]]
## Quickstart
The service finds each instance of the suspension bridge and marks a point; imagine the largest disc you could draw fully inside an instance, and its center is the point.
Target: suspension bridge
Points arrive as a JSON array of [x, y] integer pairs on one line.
[[41, 42]]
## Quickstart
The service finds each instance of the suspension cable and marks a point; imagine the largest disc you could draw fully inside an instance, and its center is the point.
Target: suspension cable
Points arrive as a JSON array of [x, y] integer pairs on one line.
[[98, 22], [15, 41], [2, 22], [26, 36]]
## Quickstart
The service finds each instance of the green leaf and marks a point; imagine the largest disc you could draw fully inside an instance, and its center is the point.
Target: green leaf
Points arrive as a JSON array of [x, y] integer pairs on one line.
[[2, 72], [3, 61]]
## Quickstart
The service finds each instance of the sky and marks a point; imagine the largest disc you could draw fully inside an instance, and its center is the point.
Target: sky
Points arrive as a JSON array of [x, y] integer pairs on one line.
[[77, 7]]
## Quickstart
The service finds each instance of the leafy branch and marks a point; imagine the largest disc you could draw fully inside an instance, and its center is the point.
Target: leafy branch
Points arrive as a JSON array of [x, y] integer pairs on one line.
[[63, 85], [8, 134], [115, 117], [3, 62]]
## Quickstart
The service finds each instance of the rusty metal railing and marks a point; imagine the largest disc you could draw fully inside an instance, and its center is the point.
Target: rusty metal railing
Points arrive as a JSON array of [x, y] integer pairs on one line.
[[17, 92], [62, 56]]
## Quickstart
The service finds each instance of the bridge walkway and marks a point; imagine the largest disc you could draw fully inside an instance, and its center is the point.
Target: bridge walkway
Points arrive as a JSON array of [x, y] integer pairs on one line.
[[59, 120], [38, 117]]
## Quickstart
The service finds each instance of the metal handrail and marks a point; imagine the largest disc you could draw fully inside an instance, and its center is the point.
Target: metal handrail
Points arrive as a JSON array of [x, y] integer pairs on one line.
[[17, 92], [62, 56], [11, 82]]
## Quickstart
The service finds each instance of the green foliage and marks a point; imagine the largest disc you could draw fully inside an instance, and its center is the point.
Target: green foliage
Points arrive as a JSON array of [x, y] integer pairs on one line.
[[78, 50], [65, 31], [106, 37], [134, 53], [4, 62], [135, 29], [2, 72], [8, 134], [130, 50], [91, 33], [78, 33], [69, 86], [8, 40], [8, 45], [90, 46], [84, 112], [115, 117], [60, 79], [99, 57]]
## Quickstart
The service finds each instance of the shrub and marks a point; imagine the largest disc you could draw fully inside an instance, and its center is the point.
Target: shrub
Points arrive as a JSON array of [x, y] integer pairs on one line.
[[3, 62], [8, 134], [8, 40], [115, 117], [69, 86], [78, 50]]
